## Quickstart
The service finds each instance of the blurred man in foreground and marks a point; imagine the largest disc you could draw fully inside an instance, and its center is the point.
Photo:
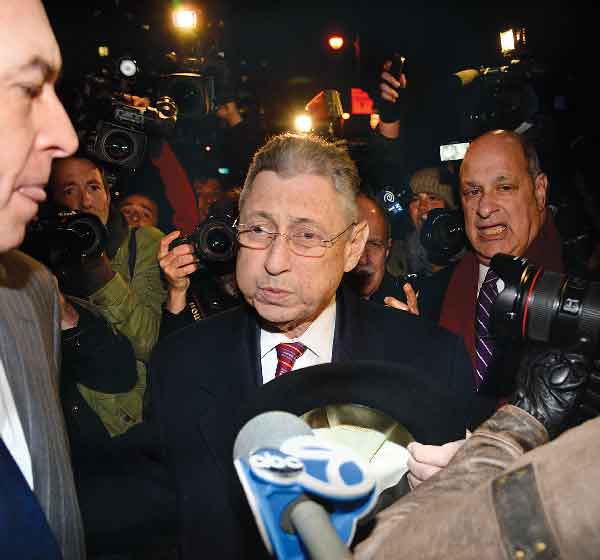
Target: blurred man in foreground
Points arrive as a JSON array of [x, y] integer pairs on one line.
[[39, 513]]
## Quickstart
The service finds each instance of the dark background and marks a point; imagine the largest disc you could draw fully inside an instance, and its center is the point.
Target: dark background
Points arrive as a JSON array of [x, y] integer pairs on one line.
[[281, 48]]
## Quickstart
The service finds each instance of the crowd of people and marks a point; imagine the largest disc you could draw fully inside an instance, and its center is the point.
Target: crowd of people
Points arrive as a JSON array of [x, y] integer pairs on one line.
[[124, 379]]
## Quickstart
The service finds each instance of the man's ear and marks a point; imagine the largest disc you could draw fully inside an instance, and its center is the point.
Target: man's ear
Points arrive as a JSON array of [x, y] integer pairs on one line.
[[356, 246], [540, 190]]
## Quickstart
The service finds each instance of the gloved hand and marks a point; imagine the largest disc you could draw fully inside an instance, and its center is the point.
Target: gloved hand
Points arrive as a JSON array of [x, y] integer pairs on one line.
[[549, 386], [84, 278], [390, 107]]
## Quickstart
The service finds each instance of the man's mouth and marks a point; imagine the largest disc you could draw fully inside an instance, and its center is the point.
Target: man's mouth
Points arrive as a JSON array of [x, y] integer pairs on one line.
[[492, 232], [272, 294]]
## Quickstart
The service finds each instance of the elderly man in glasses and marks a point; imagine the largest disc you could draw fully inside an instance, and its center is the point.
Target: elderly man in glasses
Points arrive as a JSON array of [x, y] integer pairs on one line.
[[299, 231]]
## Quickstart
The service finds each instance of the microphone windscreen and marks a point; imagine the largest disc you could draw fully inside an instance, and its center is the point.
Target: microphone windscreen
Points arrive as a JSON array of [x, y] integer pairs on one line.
[[269, 429]]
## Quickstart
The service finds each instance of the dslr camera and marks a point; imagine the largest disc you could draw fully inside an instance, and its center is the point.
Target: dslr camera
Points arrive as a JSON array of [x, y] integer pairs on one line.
[[65, 238], [214, 242], [443, 235], [544, 306]]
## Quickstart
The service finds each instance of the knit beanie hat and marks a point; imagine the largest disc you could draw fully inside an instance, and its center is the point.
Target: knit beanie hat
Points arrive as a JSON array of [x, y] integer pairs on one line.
[[427, 180]]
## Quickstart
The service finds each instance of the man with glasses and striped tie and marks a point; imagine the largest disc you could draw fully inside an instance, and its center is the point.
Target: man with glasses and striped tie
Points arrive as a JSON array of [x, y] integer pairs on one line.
[[299, 231]]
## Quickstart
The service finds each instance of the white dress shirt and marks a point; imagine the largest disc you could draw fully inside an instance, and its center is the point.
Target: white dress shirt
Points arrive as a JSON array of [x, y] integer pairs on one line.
[[318, 339], [483, 270], [11, 430]]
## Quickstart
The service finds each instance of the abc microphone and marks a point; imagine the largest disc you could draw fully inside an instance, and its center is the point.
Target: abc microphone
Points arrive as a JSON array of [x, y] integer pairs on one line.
[[306, 495]]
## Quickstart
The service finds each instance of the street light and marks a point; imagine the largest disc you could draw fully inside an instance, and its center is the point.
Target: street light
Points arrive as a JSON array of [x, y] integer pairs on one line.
[[303, 123], [186, 18], [336, 42]]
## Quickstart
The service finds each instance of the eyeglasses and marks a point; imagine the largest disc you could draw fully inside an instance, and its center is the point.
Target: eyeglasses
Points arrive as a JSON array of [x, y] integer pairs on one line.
[[303, 240]]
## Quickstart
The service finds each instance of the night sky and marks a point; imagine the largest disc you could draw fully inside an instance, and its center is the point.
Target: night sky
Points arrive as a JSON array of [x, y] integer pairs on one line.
[[283, 44]]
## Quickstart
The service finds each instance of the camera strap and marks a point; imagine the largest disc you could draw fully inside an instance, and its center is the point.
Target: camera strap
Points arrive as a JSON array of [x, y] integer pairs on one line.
[[132, 253]]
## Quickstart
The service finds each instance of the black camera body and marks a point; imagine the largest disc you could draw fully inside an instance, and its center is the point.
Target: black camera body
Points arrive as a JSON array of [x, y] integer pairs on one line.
[[121, 135], [65, 238], [214, 243]]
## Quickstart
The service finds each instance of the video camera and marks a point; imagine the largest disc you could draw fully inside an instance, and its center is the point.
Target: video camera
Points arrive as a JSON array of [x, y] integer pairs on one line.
[[121, 134], [117, 130]]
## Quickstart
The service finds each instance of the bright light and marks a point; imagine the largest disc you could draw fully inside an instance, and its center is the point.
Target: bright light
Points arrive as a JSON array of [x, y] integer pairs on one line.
[[345, 116], [303, 123], [185, 19], [507, 41], [336, 42], [103, 51]]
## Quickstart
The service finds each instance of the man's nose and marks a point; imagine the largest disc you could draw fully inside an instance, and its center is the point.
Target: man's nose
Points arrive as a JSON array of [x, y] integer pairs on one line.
[[86, 199], [134, 216], [364, 258], [487, 205], [56, 133], [278, 256]]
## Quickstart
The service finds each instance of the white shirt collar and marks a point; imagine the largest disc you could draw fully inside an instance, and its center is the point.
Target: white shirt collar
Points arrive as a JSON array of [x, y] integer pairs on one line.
[[318, 338], [483, 270]]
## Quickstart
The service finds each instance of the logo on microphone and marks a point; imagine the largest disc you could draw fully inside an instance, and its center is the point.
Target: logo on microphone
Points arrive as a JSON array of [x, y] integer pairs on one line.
[[271, 459]]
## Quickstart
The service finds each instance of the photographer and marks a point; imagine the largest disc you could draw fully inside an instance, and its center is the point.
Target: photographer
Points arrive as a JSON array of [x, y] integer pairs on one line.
[[430, 189], [123, 282], [201, 282]]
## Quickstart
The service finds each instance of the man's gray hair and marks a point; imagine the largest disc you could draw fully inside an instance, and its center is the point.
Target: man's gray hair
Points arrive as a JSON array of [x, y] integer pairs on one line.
[[290, 155]]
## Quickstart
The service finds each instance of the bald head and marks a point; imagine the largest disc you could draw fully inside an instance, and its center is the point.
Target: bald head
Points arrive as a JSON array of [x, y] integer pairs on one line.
[[368, 273], [503, 194]]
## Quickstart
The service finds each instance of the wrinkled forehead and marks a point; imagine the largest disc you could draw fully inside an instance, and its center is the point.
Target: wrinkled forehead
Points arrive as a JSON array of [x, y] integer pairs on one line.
[[304, 197], [494, 156]]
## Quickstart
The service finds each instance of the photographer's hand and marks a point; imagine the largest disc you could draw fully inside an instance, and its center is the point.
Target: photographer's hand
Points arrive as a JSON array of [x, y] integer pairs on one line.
[[389, 107], [177, 264], [69, 317], [411, 304], [550, 384]]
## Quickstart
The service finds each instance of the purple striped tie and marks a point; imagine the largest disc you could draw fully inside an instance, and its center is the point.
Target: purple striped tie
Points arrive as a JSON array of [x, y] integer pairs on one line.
[[484, 342], [287, 354]]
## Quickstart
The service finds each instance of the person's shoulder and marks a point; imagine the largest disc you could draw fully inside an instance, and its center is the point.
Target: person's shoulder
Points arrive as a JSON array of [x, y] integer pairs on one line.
[[226, 323], [18, 267], [148, 234], [395, 322]]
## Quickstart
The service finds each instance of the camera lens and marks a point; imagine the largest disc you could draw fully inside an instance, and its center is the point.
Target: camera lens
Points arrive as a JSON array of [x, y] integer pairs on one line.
[[217, 241], [545, 306], [118, 146]]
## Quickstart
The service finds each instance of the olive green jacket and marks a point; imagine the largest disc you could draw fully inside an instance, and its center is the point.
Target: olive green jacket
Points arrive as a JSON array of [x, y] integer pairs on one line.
[[132, 303]]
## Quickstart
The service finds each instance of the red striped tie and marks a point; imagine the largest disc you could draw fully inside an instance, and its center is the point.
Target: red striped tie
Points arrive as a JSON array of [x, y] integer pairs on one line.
[[287, 354]]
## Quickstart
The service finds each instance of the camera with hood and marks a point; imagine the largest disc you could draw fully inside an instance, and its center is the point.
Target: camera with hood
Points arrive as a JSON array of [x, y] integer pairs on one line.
[[65, 238]]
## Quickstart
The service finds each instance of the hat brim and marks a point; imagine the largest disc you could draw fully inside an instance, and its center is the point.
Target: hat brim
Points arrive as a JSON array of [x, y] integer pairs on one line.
[[408, 396]]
